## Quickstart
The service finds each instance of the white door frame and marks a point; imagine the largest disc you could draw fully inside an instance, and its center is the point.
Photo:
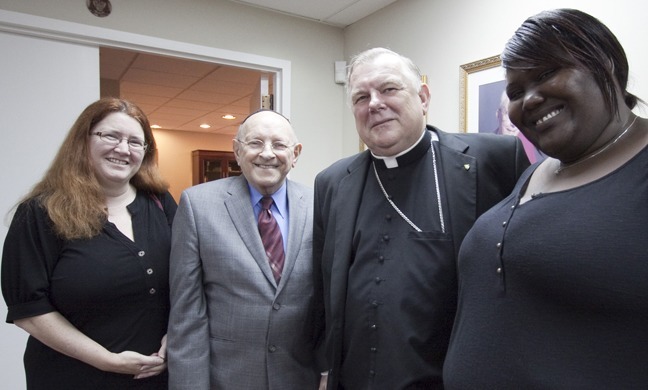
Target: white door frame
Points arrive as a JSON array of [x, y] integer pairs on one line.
[[36, 26]]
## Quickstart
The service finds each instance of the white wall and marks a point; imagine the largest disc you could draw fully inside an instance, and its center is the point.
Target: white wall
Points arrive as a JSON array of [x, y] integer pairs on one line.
[[439, 36], [32, 126]]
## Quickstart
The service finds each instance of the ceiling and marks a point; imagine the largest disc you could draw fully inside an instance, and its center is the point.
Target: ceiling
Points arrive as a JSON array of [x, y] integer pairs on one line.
[[181, 94], [340, 13]]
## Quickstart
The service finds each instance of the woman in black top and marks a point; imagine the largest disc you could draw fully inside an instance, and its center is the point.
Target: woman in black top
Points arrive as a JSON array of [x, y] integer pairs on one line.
[[85, 261], [554, 279]]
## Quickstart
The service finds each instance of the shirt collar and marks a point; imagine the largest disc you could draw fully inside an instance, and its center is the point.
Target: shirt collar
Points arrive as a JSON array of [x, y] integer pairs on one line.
[[410, 154], [279, 197]]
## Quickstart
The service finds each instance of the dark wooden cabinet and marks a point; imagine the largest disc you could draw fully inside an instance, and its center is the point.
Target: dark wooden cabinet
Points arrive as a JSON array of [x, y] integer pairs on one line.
[[208, 165]]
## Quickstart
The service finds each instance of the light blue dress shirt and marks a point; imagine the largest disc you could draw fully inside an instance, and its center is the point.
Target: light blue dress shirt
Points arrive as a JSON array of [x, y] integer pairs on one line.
[[279, 209]]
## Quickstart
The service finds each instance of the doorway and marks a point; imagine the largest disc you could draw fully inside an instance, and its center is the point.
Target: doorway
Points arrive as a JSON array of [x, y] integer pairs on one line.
[[184, 94]]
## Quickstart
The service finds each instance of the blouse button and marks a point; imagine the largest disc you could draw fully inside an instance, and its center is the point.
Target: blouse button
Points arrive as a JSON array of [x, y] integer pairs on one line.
[[149, 271], [499, 270], [374, 349], [386, 237], [152, 291], [504, 223], [499, 245], [381, 259], [388, 217], [141, 253]]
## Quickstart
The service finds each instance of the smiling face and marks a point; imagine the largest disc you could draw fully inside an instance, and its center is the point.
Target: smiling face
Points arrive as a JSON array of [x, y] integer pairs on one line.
[[560, 110], [266, 169], [389, 109], [114, 166]]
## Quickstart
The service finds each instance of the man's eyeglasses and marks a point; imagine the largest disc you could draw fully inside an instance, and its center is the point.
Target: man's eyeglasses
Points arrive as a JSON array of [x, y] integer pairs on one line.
[[114, 140], [256, 145]]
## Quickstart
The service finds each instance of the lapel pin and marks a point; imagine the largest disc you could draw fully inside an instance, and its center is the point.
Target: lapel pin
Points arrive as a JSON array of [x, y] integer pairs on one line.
[[467, 167]]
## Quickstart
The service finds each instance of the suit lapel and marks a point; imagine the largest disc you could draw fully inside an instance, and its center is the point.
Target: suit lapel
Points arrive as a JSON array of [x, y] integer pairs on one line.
[[240, 211], [297, 215], [346, 206], [460, 177]]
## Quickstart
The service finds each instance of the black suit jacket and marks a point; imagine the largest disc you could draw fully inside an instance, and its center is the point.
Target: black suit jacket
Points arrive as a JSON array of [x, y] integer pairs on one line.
[[479, 170]]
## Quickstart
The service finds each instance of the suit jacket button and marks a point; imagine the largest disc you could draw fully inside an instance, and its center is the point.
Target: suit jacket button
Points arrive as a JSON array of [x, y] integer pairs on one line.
[[272, 348], [276, 306]]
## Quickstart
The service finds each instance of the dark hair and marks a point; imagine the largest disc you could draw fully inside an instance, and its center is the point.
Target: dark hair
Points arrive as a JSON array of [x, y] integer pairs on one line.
[[570, 38]]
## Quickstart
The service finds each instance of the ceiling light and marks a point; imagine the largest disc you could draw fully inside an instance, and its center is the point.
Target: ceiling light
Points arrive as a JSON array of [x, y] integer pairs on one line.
[[228, 117], [205, 126]]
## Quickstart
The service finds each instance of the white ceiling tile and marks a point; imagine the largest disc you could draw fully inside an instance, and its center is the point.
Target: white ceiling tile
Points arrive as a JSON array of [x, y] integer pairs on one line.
[[145, 76], [172, 65], [144, 99], [356, 11]]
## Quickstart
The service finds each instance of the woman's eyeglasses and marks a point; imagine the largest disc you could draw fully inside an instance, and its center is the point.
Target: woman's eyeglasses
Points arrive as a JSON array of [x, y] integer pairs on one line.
[[114, 140]]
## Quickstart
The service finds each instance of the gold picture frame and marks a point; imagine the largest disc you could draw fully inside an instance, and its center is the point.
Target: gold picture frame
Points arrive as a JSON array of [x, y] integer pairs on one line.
[[472, 75]]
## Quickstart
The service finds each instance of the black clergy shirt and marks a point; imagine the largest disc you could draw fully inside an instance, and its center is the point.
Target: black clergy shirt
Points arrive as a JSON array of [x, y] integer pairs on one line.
[[402, 284]]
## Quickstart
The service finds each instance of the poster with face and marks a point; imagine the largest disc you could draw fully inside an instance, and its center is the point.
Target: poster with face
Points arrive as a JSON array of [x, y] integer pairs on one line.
[[486, 103]]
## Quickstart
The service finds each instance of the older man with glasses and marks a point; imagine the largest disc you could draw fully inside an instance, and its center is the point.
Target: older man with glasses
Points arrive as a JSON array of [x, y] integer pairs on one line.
[[242, 296]]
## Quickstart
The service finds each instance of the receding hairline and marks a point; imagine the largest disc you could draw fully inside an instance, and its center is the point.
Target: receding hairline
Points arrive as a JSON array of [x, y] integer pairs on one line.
[[409, 68], [244, 124]]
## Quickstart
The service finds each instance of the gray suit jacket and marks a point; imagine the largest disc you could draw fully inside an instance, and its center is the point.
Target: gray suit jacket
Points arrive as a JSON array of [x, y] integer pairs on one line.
[[231, 326], [479, 170]]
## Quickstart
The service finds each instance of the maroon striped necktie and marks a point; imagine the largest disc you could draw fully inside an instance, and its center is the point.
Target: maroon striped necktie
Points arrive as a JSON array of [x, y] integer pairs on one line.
[[271, 238]]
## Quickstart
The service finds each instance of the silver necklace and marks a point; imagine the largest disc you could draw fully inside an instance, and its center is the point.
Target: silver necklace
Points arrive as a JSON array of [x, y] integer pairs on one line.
[[600, 150], [438, 194]]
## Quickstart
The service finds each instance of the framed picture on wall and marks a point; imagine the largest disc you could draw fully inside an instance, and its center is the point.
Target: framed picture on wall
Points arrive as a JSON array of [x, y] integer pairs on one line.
[[482, 84], [483, 105]]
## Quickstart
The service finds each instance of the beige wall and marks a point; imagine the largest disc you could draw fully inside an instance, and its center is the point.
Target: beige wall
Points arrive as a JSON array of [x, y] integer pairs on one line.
[[175, 162]]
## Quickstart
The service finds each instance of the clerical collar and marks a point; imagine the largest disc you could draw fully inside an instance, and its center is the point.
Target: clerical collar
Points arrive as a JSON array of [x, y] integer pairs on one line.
[[413, 153]]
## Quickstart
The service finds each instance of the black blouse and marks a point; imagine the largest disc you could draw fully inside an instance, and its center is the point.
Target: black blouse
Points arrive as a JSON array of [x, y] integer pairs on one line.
[[112, 289], [554, 292]]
